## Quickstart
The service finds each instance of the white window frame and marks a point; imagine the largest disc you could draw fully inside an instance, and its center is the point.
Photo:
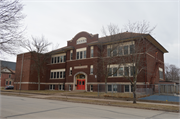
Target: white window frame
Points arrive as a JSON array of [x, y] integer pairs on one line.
[[91, 90], [70, 71], [83, 50], [58, 70], [161, 70], [71, 52], [91, 70], [129, 88], [52, 87], [61, 87], [92, 51], [70, 88], [55, 57]]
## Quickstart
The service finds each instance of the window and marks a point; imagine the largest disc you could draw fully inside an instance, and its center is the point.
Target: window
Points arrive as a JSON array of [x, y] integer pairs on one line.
[[9, 82], [160, 73], [6, 82], [54, 74], [81, 53], [108, 52], [70, 71], [71, 54], [114, 71], [57, 75], [77, 54], [92, 51], [51, 75], [120, 71], [126, 88], [9, 75], [58, 59], [52, 60], [91, 88], [61, 87], [132, 69], [114, 87], [110, 72], [120, 51], [115, 52], [51, 87], [132, 49], [109, 87], [91, 69], [125, 50], [69, 87], [126, 71]]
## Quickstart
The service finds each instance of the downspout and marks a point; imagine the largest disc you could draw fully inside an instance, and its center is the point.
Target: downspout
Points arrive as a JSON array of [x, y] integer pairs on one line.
[[21, 71]]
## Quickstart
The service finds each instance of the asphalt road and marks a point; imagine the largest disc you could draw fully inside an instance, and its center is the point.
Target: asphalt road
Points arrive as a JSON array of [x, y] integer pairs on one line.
[[20, 107]]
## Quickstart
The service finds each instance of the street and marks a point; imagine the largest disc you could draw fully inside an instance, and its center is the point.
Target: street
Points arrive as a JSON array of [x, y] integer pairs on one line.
[[20, 107]]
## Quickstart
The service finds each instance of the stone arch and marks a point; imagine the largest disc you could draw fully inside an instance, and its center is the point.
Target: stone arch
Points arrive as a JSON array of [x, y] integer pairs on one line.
[[74, 82]]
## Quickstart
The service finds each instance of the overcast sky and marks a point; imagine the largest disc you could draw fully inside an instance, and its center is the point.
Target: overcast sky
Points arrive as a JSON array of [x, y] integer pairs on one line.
[[59, 21]]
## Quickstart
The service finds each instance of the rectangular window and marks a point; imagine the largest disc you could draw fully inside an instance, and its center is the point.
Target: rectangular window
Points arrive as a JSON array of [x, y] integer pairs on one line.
[[125, 50], [58, 59], [54, 75], [64, 74], [64, 58], [51, 75], [120, 51], [69, 87], [6, 82], [110, 72], [92, 51], [51, 87], [120, 71], [71, 57], [52, 60], [9, 75], [61, 74], [70, 71], [114, 87], [81, 55], [126, 71], [160, 73], [132, 69], [114, 71], [109, 87], [9, 82], [108, 52], [57, 75], [60, 87], [115, 52], [91, 69], [77, 55], [132, 50], [126, 88], [91, 87], [61, 58], [84, 54]]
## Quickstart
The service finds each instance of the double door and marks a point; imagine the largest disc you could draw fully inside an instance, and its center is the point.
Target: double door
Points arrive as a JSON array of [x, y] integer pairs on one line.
[[80, 84]]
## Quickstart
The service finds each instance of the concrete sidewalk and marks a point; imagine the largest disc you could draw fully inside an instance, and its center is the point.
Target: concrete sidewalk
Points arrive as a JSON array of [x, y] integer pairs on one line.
[[98, 99]]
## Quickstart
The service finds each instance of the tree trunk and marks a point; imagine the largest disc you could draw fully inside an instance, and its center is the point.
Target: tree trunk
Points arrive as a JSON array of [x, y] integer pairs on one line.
[[105, 85], [134, 93], [38, 81]]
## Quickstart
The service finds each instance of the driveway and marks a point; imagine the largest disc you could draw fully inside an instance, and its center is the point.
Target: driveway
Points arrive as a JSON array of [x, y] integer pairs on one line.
[[20, 107]]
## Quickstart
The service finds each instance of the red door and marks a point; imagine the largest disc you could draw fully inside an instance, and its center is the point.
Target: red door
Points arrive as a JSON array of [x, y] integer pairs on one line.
[[80, 84]]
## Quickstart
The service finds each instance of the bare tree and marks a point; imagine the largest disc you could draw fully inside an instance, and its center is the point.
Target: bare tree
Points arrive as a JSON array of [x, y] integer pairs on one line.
[[10, 23], [38, 48], [172, 73], [130, 57]]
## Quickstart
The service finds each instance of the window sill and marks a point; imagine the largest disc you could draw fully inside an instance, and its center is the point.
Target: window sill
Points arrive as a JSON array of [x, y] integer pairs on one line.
[[57, 79]]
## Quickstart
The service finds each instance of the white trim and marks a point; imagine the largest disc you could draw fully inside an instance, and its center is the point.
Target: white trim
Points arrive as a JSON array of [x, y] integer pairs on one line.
[[76, 80], [82, 59], [57, 70], [62, 54], [81, 49], [81, 40], [80, 67]]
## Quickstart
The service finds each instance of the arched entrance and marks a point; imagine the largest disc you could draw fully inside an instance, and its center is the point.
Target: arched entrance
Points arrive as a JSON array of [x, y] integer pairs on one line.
[[80, 81]]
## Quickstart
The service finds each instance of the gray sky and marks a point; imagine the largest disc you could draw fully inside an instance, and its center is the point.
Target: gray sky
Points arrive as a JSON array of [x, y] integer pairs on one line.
[[59, 21]]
